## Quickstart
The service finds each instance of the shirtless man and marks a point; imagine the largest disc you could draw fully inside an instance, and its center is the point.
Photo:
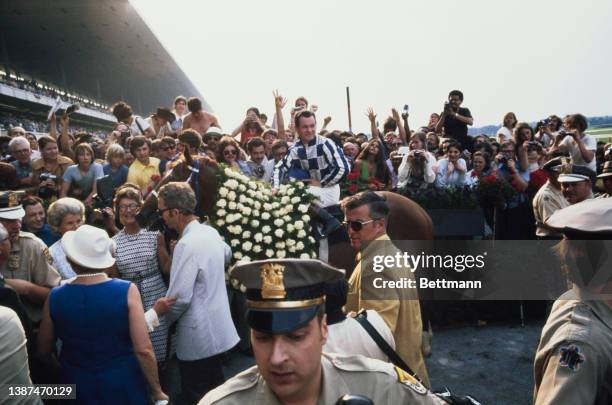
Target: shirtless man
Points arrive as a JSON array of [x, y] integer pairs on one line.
[[199, 119]]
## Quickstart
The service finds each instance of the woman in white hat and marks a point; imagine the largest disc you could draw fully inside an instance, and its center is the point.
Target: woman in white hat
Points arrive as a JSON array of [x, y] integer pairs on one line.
[[106, 350]]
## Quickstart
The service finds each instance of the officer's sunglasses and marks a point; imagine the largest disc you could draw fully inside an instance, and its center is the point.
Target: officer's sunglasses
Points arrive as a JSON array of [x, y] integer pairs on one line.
[[357, 225]]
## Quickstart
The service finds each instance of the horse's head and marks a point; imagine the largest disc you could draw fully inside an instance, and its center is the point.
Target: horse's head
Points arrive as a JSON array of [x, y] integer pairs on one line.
[[204, 170]]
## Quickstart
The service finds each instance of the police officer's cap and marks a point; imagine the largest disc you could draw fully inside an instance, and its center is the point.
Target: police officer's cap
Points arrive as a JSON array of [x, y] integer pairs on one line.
[[607, 170], [553, 164], [571, 173], [10, 205], [589, 219], [284, 294]]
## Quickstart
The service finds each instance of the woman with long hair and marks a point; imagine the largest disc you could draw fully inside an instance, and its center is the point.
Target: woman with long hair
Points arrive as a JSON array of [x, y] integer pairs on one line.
[[481, 167], [523, 134], [229, 152], [51, 166], [371, 164], [507, 128], [417, 167], [451, 169]]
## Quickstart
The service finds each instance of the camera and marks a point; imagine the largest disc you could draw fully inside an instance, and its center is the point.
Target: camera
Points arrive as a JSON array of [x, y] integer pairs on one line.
[[545, 122], [418, 154], [72, 108], [48, 176], [503, 160]]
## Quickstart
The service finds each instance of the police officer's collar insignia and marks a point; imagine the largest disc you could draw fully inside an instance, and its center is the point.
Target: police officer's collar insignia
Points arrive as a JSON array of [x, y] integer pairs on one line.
[[571, 357], [409, 381], [273, 286]]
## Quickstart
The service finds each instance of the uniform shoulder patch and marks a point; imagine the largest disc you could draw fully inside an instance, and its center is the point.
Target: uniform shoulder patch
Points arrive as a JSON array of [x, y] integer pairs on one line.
[[409, 381], [571, 357], [48, 255]]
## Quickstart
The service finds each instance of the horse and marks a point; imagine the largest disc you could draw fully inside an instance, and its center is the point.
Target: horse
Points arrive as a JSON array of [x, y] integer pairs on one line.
[[407, 220]]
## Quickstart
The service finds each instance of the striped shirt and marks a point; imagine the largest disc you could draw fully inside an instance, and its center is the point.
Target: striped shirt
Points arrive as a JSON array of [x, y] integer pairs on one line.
[[323, 160]]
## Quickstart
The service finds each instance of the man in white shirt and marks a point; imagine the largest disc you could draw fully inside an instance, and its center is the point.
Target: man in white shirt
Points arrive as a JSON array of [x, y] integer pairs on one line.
[[205, 329]]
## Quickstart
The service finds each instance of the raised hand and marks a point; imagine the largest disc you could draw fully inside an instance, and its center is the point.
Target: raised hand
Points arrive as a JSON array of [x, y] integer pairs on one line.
[[396, 116], [371, 115], [326, 120], [279, 101]]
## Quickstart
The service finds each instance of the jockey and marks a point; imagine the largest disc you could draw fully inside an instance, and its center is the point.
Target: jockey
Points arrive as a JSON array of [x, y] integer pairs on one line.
[[320, 164]]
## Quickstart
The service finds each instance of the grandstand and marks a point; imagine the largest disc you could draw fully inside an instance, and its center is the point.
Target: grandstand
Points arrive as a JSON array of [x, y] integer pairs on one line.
[[92, 52]]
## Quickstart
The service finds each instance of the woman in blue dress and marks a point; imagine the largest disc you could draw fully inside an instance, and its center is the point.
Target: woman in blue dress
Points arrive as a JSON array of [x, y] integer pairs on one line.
[[106, 351]]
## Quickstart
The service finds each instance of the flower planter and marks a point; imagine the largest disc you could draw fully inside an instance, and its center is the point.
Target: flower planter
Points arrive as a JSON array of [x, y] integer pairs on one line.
[[457, 222]]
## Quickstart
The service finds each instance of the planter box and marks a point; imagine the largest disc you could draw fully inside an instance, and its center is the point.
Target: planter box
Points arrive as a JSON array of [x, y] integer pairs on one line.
[[457, 222]]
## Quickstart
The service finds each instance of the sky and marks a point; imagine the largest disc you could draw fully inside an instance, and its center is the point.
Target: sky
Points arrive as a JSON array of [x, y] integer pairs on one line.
[[532, 57]]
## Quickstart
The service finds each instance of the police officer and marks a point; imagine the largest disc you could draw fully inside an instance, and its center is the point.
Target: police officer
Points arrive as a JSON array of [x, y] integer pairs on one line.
[[285, 299], [606, 176], [29, 268], [573, 363], [576, 182], [548, 199]]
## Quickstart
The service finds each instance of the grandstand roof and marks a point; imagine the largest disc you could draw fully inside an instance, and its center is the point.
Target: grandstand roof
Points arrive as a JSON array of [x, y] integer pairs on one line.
[[97, 48]]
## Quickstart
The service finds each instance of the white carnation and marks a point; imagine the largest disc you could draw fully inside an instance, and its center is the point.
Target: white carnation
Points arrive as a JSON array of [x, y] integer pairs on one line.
[[234, 242], [269, 253], [221, 213], [247, 246], [258, 237], [246, 234], [291, 249], [295, 200], [237, 255], [232, 205], [290, 191], [257, 205], [255, 223], [220, 222], [246, 211], [279, 245], [223, 191], [281, 254], [303, 208], [257, 249], [279, 222], [252, 185], [265, 216], [275, 205], [255, 213], [305, 218], [246, 259], [287, 218], [285, 200], [221, 203], [290, 242], [242, 188], [242, 198], [290, 228], [299, 225], [304, 256], [231, 196], [267, 239], [266, 229], [311, 239], [299, 246], [279, 233], [301, 234]]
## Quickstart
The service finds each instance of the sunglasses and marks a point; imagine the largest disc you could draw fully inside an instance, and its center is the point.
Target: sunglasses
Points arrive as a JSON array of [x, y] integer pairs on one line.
[[228, 152], [357, 225], [160, 212]]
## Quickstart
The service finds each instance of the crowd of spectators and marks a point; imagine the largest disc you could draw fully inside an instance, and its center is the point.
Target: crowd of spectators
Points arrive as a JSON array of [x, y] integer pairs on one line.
[[72, 177]]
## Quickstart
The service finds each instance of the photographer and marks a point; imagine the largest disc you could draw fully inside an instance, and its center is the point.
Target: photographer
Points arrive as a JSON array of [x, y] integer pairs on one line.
[[48, 171], [523, 134], [417, 167], [455, 120], [580, 146], [130, 124], [513, 222]]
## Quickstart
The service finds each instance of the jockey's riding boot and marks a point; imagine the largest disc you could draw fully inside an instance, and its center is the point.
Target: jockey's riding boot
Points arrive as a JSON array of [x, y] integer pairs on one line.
[[327, 220]]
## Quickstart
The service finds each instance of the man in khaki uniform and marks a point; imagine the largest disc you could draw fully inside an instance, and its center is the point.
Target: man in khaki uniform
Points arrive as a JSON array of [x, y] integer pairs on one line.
[[548, 199], [606, 176], [285, 299], [573, 363], [366, 215], [29, 268]]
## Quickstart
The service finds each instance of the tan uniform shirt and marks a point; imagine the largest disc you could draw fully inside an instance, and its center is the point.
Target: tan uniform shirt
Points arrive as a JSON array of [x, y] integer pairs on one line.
[[30, 260], [402, 315], [382, 382], [573, 363], [547, 200]]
